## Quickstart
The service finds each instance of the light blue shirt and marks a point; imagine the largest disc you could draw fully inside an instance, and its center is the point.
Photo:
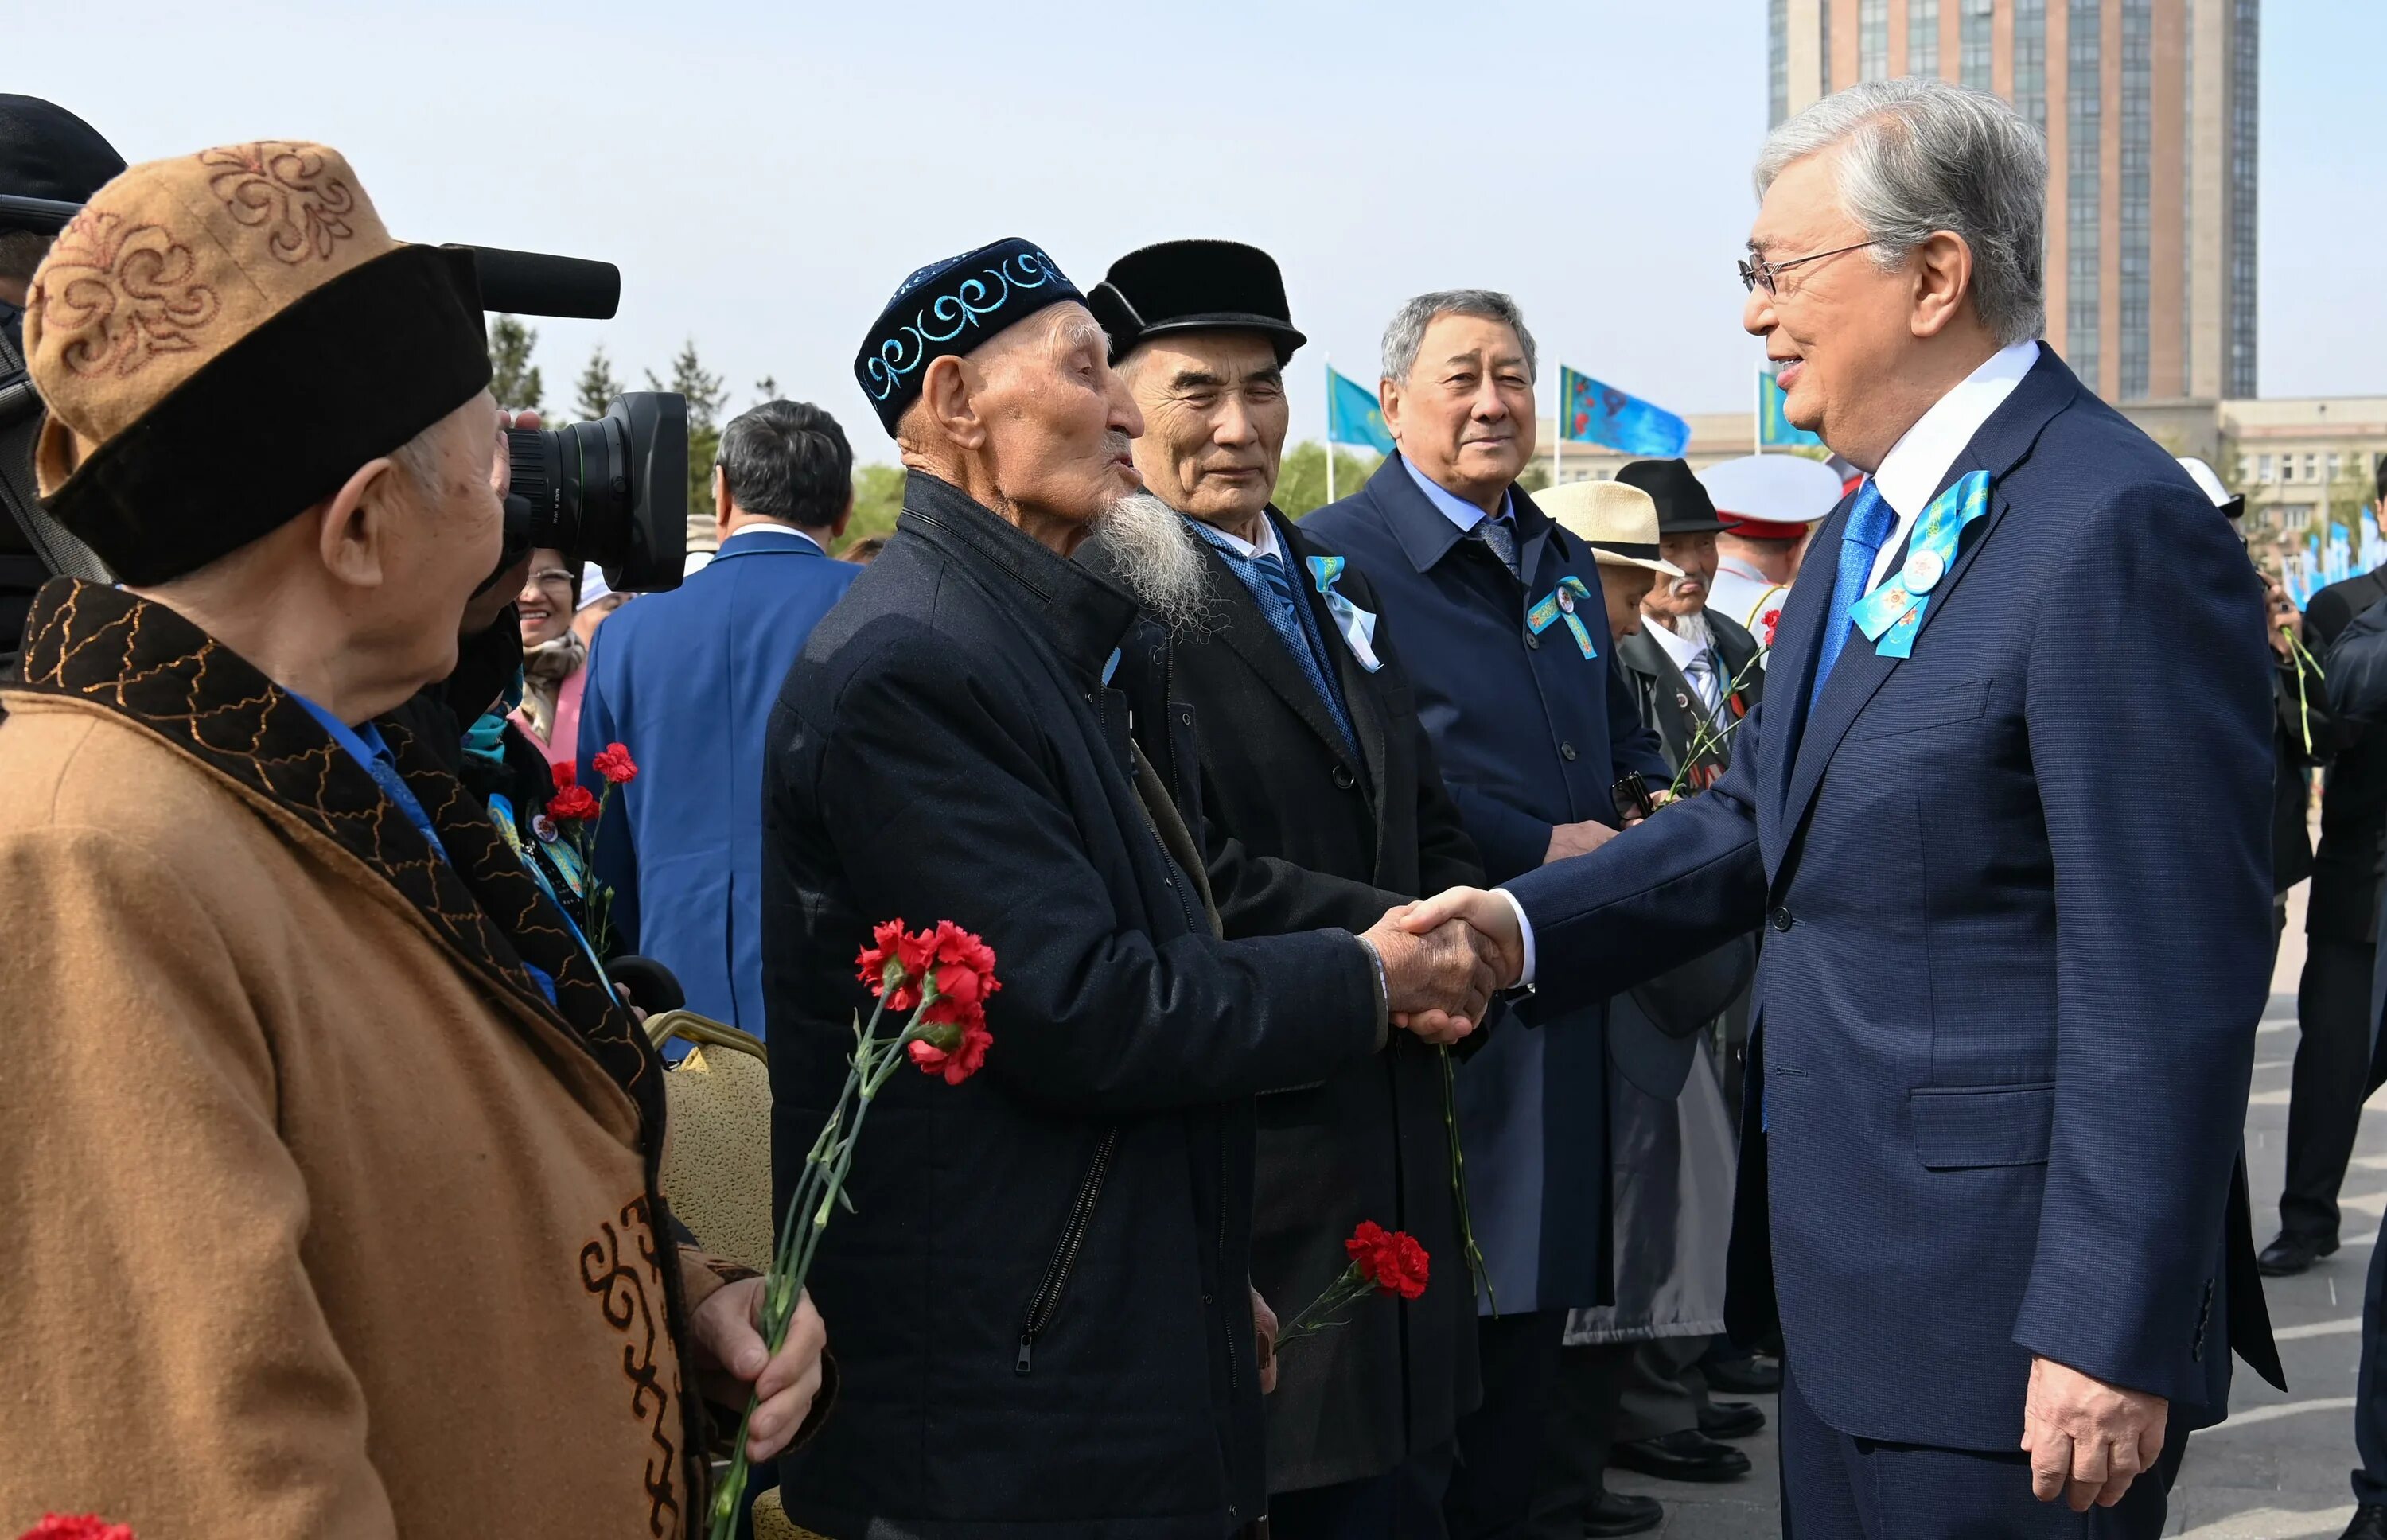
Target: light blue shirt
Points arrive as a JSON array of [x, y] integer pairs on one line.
[[1458, 509]]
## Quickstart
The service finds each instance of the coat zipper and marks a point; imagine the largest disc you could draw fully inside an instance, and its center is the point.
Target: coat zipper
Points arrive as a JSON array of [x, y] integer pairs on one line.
[[1226, 1311], [1065, 1256]]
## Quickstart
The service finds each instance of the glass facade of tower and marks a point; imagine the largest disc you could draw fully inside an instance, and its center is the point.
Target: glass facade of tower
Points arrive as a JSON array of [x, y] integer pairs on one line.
[[2245, 69], [2084, 118], [1872, 40], [1974, 20], [2030, 61], [2138, 190], [1778, 62]]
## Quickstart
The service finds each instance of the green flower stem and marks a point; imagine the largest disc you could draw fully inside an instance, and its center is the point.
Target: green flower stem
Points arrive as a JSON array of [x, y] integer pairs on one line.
[[816, 1195], [1327, 1309], [1707, 739], [1475, 1254]]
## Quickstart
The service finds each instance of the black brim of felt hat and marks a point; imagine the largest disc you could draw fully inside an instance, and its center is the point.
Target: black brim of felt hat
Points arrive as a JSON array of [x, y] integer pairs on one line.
[[1286, 337], [1692, 524]]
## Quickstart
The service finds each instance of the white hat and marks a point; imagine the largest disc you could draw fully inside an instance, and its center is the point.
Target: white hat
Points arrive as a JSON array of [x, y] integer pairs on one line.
[[1785, 491], [1617, 520], [2231, 504], [593, 589]]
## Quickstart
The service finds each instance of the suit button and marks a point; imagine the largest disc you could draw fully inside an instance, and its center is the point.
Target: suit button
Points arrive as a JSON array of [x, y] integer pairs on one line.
[[1344, 780], [1781, 917], [1566, 752], [1532, 641]]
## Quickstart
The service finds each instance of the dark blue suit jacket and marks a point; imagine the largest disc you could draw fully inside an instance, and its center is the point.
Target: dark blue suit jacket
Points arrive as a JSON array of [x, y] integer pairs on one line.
[[1529, 732], [687, 679], [2018, 897]]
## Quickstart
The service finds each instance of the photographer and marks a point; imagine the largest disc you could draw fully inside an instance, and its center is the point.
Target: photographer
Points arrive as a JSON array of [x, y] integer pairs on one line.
[[337, 1154], [45, 152]]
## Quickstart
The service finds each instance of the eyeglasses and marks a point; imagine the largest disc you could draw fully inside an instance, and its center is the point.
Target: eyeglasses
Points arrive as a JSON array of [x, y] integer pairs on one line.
[[1768, 273], [553, 577]]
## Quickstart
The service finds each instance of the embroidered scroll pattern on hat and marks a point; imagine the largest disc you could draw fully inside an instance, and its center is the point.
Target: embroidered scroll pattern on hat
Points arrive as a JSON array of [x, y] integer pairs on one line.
[[124, 293], [971, 300], [290, 191]]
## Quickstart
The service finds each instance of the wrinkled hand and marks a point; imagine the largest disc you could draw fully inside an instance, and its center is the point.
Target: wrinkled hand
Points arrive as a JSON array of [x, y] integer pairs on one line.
[[2087, 1440], [727, 1330], [1437, 980], [1582, 839], [2287, 621], [1486, 914], [1264, 1329]]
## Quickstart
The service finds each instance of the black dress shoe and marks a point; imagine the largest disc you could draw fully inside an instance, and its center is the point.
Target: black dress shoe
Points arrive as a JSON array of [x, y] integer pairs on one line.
[[1754, 1375], [1688, 1456], [1730, 1419], [2292, 1253], [1612, 1514], [2369, 1523]]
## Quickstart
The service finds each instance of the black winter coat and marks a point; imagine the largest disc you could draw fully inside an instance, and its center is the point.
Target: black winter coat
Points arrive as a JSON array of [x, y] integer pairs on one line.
[[1299, 835], [1040, 1304]]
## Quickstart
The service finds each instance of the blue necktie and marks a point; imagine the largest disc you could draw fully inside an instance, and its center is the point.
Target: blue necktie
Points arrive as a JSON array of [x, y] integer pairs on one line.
[[1282, 610], [1870, 521], [1500, 537]]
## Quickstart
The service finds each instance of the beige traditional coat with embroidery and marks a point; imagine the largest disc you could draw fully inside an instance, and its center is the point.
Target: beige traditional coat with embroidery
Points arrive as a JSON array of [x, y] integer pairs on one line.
[[321, 1223]]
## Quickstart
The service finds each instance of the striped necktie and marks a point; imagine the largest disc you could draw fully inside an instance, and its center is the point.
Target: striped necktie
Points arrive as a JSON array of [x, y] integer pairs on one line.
[[1281, 608], [1870, 521]]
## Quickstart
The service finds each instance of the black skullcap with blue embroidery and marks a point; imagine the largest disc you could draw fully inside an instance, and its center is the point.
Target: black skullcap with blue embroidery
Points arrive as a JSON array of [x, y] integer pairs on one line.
[[951, 308]]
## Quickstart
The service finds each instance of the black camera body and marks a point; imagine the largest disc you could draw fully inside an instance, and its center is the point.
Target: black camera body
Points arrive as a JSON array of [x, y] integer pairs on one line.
[[614, 491]]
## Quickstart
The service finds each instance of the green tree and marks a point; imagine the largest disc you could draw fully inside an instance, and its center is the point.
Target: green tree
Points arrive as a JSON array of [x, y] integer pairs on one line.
[[596, 386], [2351, 496], [1301, 479], [706, 394], [1536, 477], [766, 389], [513, 378], [877, 498]]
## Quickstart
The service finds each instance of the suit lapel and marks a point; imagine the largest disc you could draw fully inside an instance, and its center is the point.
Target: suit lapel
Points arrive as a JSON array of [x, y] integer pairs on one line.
[[1358, 685], [2001, 443], [1253, 641]]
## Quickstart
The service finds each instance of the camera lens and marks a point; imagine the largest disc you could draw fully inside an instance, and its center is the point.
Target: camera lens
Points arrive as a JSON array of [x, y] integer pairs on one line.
[[614, 491]]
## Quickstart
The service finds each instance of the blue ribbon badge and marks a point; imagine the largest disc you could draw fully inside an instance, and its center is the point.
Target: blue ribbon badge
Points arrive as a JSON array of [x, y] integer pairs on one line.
[[1561, 604], [1892, 614], [1358, 625]]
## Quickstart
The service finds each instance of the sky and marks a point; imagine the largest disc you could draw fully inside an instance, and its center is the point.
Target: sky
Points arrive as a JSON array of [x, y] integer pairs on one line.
[[764, 175]]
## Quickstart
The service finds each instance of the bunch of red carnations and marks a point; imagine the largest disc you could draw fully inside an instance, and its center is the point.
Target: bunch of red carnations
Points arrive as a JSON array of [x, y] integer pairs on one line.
[[942, 977], [572, 815], [1383, 1261]]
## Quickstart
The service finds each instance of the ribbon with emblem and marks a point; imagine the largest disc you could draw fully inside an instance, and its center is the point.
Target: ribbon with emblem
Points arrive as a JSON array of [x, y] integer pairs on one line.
[[1358, 625], [1891, 614], [1560, 603]]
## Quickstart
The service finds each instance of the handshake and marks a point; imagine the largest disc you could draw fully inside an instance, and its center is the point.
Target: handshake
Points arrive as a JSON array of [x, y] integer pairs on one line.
[[1445, 958]]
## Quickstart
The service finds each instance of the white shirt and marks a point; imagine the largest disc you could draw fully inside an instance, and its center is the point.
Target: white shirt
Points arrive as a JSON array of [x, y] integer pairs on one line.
[[1265, 546], [1916, 464], [1698, 663], [775, 529], [1910, 473]]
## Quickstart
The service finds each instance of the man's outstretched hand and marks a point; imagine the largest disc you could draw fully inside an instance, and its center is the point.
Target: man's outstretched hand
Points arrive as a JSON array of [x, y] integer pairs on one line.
[[1491, 916], [1438, 980], [2088, 1440]]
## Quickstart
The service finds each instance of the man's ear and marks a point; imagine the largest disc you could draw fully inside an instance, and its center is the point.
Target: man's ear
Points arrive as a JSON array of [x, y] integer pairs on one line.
[[949, 388], [844, 517], [1944, 278], [355, 524], [1388, 400]]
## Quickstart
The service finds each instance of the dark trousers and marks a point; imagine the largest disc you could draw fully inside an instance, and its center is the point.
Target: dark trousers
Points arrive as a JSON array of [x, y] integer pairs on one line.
[[1500, 1442], [2325, 1093], [2371, 1388], [1403, 1504], [1577, 1437], [1839, 1487], [1658, 1393]]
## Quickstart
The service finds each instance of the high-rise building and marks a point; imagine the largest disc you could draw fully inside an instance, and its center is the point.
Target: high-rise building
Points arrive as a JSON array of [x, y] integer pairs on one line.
[[2149, 108]]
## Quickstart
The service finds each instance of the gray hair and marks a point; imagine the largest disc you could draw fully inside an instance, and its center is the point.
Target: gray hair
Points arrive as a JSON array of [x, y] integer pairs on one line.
[[1926, 156], [1405, 332]]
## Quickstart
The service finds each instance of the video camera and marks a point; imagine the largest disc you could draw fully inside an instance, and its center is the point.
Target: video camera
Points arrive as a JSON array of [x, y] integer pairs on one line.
[[614, 491]]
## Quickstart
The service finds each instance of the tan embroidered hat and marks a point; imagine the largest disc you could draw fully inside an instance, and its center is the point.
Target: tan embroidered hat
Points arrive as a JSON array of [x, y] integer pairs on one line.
[[1617, 521], [222, 338]]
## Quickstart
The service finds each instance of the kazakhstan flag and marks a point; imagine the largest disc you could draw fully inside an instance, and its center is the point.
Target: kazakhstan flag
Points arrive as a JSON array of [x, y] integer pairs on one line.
[[1597, 413], [1775, 430], [1353, 415]]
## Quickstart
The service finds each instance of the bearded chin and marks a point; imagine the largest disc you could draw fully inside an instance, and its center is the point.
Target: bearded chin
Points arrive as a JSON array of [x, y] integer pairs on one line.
[[1158, 559], [1693, 628]]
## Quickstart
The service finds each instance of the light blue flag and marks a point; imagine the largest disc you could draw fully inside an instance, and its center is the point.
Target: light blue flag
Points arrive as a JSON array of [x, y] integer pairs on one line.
[[1597, 413], [1774, 429], [1353, 415]]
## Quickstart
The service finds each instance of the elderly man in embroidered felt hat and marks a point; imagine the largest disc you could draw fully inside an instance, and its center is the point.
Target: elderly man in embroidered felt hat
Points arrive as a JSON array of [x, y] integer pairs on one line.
[[1043, 1297], [337, 1155]]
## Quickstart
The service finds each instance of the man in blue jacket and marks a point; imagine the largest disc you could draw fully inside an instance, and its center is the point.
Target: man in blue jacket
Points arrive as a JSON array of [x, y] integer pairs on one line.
[[687, 679], [1996, 1094], [1506, 635]]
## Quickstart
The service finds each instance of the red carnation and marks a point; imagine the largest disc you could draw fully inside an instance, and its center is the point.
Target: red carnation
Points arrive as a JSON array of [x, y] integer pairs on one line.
[[953, 1051], [910, 952], [965, 971], [1769, 620], [572, 802], [614, 763], [563, 774], [82, 1526], [1391, 1259]]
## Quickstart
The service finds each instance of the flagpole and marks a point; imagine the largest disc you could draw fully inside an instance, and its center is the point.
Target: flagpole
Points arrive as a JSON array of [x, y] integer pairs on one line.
[[1329, 427], [1759, 426], [1557, 423]]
